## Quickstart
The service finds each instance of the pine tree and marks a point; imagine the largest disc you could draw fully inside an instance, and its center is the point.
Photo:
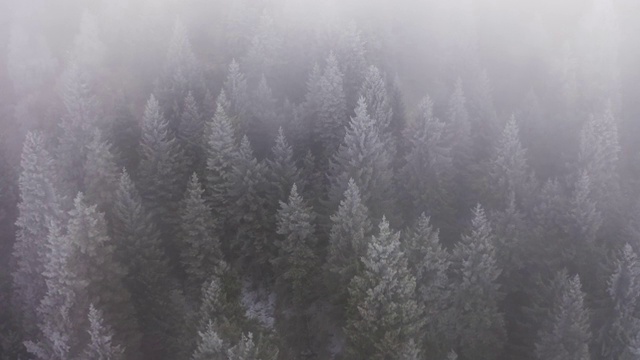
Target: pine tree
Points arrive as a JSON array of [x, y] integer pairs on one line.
[[429, 263], [476, 293], [235, 88], [350, 228], [210, 346], [39, 201], [100, 172], [351, 54], [374, 92], [248, 211], [586, 219], [191, 134], [201, 247], [245, 349], [617, 338], [384, 315], [296, 262], [161, 172], [567, 336], [509, 172], [101, 347], [282, 169], [220, 304], [92, 260], [364, 158], [427, 167], [139, 250], [222, 154], [328, 128]]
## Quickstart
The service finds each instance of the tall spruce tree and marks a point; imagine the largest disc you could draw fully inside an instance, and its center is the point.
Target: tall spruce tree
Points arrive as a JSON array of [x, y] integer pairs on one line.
[[235, 88], [351, 54], [100, 173], [191, 134], [210, 346], [384, 315], [568, 335], [101, 347], [476, 295], [350, 228], [364, 158], [200, 251], [282, 169], [374, 92], [161, 171], [38, 202]]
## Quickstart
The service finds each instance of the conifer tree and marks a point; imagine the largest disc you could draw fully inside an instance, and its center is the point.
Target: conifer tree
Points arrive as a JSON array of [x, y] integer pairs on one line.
[[210, 346], [222, 154], [568, 335], [384, 315], [101, 347], [249, 210], [374, 92], [350, 228], [364, 158], [263, 121], [191, 134], [398, 108], [282, 169], [427, 167], [220, 304], [328, 128], [161, 170], [296, 262], [509, 172], [351, 54], [619, 335], [485, 129], [476, 293], [586, 219], [100, 172], [245, 349], [235, 88], [429, 263], [201, 247], [39, 201]]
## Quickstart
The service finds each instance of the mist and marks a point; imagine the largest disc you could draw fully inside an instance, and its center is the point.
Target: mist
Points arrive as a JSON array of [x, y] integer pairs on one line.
[[340, 179]]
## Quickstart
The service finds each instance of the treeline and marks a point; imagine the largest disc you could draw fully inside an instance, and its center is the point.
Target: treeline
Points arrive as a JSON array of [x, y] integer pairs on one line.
[[280, 200]]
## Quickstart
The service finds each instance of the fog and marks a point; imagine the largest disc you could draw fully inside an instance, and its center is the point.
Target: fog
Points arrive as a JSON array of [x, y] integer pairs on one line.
[[337, 179]]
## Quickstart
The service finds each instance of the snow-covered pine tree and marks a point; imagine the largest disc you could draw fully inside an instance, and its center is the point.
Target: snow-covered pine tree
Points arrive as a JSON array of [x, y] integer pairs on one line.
[[567, 337], [384, 315], [200, 249], [39, 201], [363, 157], [476, 295], [101, 347], [210, 346], [100, 173]]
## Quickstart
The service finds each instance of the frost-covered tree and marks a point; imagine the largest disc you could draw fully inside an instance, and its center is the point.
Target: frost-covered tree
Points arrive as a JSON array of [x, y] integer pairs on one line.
[[210, 346], [374, 92], [101, 347], [479, 326], [282, 169], [585, 217], [161, 169], [245, 349], [222, 153], [39, 201], [263, 120], [200, 249], [351, 54], [427, 166], [384, 316], [191, 134], [330, 107], [568, 334], [100, 172], [619, 335], [350, 228], [363, 157], [235, 87]]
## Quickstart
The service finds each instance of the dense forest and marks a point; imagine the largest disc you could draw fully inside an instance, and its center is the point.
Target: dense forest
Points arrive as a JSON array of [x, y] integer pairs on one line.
[[281, 179]]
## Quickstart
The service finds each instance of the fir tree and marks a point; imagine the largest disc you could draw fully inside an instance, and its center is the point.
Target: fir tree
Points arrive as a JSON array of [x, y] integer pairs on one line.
[[374, 92], [101, 347], [264, 120], [235, 88], [245, 349], [222, 154], [427, 167], [622, 329], [429, 263], [586, 219], [161, 172], [282, 170], [249, 210], [476, 293], [364, 158], [100, 172], [351, 54], [509, 172], [350, 228], [384, 314], [568, 335], [201, 247], [210, 346], [191, 134], [220, 304], [328, 129], [39, 201]]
